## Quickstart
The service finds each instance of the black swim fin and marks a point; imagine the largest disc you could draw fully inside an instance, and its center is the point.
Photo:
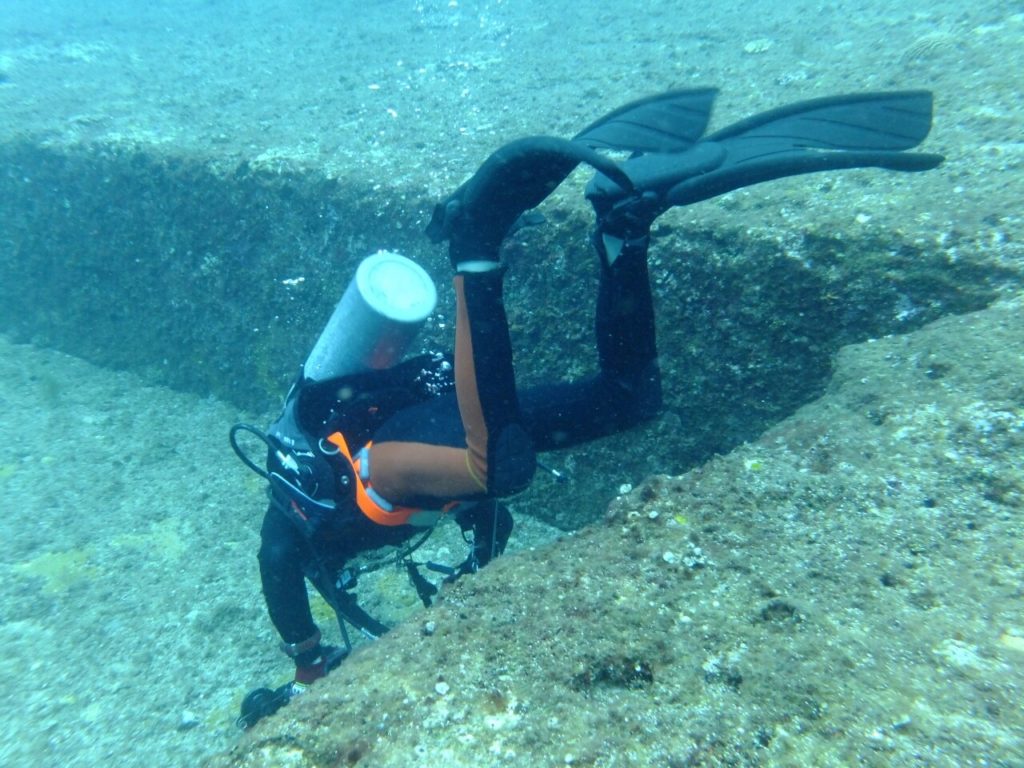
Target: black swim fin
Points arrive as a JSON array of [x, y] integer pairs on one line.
[[668, 122], [824, 134], [516, 177]]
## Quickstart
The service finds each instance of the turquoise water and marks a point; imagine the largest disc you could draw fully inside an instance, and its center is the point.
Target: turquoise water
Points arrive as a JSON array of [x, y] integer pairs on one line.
[[184, 190]]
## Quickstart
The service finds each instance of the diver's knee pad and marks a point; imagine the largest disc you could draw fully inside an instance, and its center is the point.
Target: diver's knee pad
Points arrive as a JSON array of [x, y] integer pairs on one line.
[[511, 462]]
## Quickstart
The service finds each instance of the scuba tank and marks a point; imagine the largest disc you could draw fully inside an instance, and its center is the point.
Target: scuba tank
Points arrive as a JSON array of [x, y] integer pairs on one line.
[[382, 310], [379, 315]]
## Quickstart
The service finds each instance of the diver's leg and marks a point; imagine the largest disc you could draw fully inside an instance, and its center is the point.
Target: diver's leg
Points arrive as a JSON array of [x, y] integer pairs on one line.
[[500, 457], [627, 390], [497, 459], [624, 321], [282, 557]]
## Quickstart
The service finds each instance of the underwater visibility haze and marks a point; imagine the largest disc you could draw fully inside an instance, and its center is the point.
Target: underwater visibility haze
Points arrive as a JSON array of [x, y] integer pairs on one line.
[[811, 554]]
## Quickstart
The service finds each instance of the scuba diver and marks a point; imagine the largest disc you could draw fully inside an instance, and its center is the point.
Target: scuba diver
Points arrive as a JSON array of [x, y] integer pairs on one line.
[[370, 450]]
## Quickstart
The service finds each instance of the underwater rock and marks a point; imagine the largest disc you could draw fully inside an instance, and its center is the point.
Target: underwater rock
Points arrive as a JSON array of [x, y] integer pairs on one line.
[[599, 647]]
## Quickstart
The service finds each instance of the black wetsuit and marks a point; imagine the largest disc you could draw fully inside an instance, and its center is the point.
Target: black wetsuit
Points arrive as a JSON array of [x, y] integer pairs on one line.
[[481, 443], [625, 391]]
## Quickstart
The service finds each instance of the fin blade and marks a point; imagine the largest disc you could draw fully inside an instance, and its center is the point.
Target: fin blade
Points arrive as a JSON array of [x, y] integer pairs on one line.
[[833, 133], [667, 122], [891, 121], [794, 163]]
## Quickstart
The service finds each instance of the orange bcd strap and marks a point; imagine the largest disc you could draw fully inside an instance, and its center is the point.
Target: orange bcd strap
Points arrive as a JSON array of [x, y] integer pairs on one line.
[[396, 515]]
